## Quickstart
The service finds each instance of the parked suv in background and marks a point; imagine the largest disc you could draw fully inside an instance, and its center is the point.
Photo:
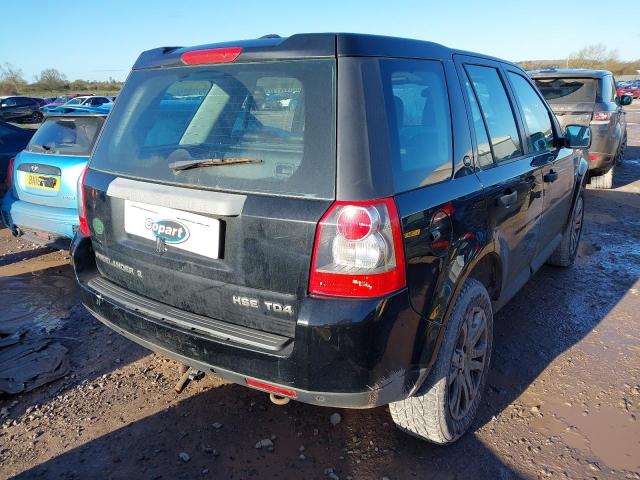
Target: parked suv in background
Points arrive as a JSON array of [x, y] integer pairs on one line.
[[20, 109], [588, 97], [350, 267]]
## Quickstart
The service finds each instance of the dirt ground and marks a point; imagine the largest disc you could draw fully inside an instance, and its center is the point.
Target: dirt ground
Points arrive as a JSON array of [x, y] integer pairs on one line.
[[563, 397]]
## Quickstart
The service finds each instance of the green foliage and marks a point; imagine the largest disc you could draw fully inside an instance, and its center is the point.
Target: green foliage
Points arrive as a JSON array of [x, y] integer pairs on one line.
[[597, 57], [51, 82]]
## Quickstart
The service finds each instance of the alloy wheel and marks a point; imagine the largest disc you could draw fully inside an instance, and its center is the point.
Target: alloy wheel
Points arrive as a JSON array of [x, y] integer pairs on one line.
[[576, 226], [468, 363]]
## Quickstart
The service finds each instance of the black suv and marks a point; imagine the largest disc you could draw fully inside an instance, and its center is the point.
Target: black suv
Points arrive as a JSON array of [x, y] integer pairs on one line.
[[588, 97], [20, 109], [347, 246]]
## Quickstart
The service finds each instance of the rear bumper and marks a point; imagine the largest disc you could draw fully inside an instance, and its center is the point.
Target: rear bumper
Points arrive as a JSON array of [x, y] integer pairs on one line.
[[603, 148], [349, 354], [53, 222]]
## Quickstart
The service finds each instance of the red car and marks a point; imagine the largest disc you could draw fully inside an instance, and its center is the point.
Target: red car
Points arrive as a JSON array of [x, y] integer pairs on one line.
[[632, 90]]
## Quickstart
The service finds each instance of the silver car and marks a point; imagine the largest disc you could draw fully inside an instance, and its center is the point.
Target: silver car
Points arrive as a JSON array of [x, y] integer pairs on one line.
[[588, 97]]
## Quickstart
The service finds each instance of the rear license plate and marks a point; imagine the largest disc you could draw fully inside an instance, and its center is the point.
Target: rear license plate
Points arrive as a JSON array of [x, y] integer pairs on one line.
[[170, 228], [43, 182]]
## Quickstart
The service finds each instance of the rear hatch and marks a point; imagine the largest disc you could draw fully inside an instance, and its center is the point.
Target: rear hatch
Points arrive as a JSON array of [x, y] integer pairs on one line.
[[207, 183], [47, 171], [571, 99]]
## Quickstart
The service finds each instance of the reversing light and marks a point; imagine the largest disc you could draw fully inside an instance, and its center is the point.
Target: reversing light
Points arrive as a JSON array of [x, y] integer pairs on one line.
[[211, 55]]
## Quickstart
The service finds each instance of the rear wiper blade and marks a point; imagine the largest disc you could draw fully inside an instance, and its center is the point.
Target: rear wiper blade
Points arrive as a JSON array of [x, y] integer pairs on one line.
[[210, 162]]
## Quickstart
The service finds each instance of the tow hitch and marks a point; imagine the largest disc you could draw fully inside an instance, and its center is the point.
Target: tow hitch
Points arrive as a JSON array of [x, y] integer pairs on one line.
[[189, 374]]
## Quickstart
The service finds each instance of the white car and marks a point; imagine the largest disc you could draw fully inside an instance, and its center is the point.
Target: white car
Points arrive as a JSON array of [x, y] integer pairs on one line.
[[89, 100]]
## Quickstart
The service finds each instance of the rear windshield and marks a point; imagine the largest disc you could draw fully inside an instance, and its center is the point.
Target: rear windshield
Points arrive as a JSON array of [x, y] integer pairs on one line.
[[567, 90], [273, 122], [66, 136]]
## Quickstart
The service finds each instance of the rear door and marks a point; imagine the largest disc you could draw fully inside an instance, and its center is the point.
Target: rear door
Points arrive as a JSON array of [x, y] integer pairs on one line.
[[230, 238], [572, 99], [511, 179], [558, 166]]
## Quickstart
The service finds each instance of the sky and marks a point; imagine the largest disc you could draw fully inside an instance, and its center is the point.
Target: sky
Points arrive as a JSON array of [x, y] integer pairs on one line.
[[98, 39]]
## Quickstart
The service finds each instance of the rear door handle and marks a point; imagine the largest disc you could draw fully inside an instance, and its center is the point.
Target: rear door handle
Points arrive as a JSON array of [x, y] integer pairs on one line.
[[550, 177], [508, 199]]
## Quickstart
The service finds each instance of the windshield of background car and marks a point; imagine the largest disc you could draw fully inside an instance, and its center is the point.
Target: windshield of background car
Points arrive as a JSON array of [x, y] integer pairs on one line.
[[75, 101], [567, 90], [66, 136], [280, 115]]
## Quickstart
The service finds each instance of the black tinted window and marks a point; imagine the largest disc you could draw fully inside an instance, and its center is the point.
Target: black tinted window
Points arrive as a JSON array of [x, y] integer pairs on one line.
[[419, 121], [607, 89], [273, 121], [497, 112], [567, 90], [536, 115]]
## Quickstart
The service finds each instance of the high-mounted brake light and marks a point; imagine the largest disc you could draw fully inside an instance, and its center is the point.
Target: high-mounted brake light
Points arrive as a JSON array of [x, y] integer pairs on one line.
[[358, 250], [600, 118], [82, 207], [9, 177], [211, 55]]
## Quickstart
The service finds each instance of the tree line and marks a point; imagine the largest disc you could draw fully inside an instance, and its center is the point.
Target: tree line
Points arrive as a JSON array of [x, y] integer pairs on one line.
[[50, 81], [597, 57]]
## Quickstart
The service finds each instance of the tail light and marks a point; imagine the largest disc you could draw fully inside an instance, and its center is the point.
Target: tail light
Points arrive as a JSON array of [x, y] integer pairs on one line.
[[82, 207], [358, 250], [601, 118], [211, 55], [9, 179]]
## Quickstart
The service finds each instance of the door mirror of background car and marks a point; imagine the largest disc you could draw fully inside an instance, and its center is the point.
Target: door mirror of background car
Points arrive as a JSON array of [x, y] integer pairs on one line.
[[578, 136], [625, 100]]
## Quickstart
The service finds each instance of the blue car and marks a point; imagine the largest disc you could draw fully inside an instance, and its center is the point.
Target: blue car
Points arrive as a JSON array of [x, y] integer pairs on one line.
[[41, 202]]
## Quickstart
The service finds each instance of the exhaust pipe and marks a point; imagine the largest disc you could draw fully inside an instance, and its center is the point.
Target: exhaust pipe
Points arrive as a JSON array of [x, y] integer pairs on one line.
[[278, 400]]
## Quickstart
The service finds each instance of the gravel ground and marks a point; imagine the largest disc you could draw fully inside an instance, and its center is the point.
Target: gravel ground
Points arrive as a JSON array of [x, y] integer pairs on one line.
[[563, 397]]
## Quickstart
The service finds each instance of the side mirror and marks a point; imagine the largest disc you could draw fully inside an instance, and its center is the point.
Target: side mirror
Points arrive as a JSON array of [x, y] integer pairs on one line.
[[578, 136], [625, 100]]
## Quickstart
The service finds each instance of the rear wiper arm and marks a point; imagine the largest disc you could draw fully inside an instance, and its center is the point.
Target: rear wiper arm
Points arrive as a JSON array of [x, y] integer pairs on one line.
[[43, 147], [210, 162]]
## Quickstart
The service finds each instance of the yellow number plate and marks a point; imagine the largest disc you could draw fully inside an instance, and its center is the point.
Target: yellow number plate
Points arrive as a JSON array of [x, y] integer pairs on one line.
[[43, 182]]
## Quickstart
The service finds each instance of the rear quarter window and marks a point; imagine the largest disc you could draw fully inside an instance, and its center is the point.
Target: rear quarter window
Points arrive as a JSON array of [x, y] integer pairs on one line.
[[419, 122]]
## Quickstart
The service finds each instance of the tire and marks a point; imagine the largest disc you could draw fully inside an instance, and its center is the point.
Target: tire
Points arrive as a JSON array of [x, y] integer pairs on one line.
[[436, 412], [565, 254], [621, 151], [604, 181]]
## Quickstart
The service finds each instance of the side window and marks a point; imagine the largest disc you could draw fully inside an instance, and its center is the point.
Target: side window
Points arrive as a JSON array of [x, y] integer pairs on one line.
[[536, 115], [496, 110], [419, 122], [10, 102], [485, 157]]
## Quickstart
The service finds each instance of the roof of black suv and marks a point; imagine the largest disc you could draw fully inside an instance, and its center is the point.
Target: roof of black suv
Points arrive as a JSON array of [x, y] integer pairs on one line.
[[311, 45], [569, 72]]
